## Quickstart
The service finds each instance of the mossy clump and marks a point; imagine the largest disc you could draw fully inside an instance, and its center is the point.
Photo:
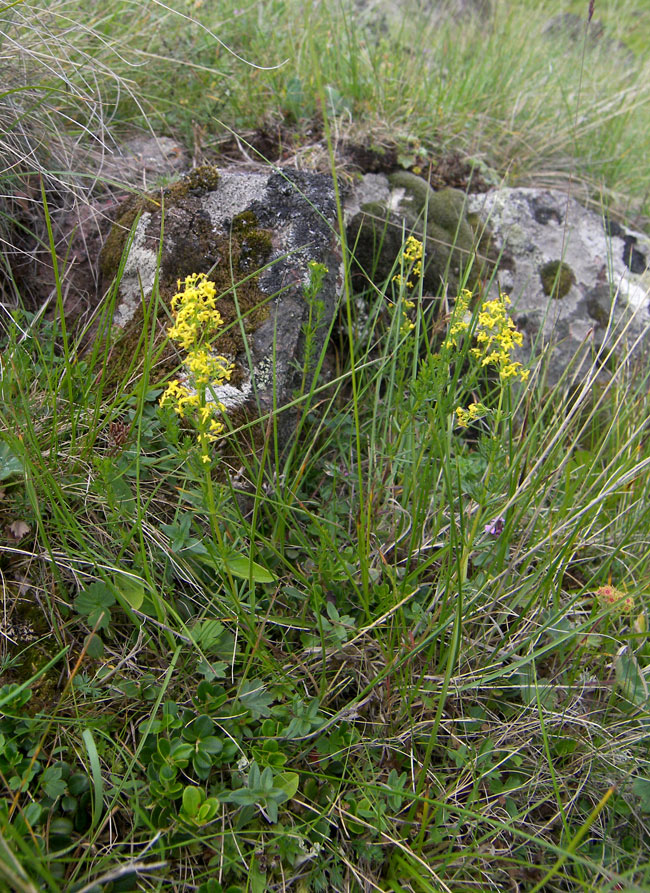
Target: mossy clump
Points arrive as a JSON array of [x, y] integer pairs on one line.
[[557, 279], [28, 635], [243, 223], [255, 244], [438, 219], [198, 181], [599, 304]]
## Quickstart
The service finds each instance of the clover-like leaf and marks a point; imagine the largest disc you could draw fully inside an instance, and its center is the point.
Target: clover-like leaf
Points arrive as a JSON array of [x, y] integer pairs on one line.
[[94, 604]]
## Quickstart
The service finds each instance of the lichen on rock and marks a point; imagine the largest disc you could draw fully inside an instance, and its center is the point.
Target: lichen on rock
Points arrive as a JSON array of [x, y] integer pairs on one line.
[[191, 243], [254, 235]]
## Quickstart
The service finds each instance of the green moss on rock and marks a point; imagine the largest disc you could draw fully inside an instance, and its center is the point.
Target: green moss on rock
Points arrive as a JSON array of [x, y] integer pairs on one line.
[[255, 244], [198, 181], [438, 219], [557, 279]]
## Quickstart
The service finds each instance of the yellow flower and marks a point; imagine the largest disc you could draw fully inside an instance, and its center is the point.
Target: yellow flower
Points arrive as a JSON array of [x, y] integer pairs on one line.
[[496, 338], [196, 324], [195, 312], [474, 411], [459, 323], [412, 253]]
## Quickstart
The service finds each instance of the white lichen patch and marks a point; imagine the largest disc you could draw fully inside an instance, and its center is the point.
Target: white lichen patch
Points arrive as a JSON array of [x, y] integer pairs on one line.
[[232, 397], [372, 188], [234, 194], [396, 199], [138, 277], [637, 293]]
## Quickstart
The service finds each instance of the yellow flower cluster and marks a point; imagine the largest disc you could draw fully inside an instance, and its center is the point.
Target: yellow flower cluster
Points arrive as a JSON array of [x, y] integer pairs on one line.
[[497, 337], [195, 311], [474, 411], [412, 258], [196, 323]]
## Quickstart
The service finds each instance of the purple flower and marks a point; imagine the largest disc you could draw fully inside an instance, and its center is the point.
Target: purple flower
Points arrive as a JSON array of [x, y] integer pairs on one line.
[[495, 527]]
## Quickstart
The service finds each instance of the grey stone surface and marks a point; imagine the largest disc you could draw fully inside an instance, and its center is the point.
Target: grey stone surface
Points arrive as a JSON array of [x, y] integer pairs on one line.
[[141, 160], [579, 284], [254, 234], [607, 299], [387, 14]]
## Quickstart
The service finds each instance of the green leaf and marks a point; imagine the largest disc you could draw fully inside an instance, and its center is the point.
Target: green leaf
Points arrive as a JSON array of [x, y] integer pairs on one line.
[[208, 811], [242, 796], [272, 811], [257, 877], [630, 678], [212, 670], [207, 634], [10, 464], [61, 827], [98, 781], [78, 783], [192, 799], [94, 603], [202, 764], [53, 783], [201, 727], [288, 782], [241, 566], [132, 591], [255, 698], [94, 646]]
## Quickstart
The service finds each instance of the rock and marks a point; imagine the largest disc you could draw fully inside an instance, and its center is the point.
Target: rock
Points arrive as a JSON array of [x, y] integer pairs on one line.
[[576, 280], [142, 161], [255, 235], [81, 217], [388, 14], [382, 211], [393, 20]]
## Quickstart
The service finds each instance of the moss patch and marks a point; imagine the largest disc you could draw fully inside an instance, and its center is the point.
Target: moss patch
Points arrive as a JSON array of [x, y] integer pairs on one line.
[[27, 633], [557, 279], [195, 183], [438, 219]]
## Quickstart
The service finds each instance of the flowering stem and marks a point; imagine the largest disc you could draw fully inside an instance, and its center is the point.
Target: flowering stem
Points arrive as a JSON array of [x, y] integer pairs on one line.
[[467, 551]]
